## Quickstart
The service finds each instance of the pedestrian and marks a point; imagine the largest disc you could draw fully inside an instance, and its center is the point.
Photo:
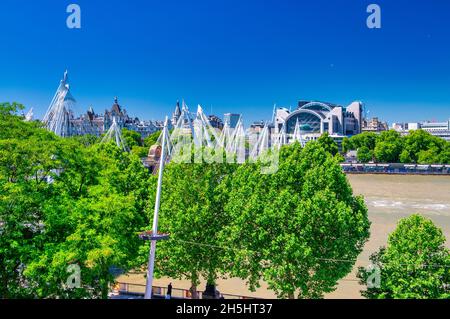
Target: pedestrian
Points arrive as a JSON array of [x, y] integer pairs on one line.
[[169, 291]]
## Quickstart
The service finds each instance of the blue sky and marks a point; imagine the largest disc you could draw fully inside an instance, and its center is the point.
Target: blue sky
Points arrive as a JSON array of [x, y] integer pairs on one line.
[[237, 56]]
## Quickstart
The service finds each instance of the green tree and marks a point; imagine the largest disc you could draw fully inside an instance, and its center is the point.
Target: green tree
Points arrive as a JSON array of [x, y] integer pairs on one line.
[[135, 143], [328, 144], [415, 263], [24, 160], [63, 202], [405, 157], [387, 152], [389, 136], [92, 220], [192, 212], [132, 138], [418, 141], [364, 154], [87, 140], [140, 151], [430, 156], [444, 156], [288, 228], [347, 145], [151, 140], [367, 139], [388, 147]]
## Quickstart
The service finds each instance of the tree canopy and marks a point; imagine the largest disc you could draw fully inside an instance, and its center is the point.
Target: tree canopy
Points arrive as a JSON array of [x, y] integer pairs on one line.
[[151, 140], [135, 143], [415, 263], [65, 202], [328, 144], [192, 212], [74, 201], [418, 146], [364, 154], [288, 228]]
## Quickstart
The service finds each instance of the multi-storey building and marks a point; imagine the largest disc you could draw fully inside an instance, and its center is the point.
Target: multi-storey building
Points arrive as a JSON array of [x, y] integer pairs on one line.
[[97, 124], [215, 121], [231, 119], [439, 129], [315, 118], [374, 125]]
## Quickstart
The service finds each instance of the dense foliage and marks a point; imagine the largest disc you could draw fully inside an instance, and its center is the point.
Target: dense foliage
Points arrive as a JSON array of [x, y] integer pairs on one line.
[[65, 202], [192, 212], [328, 144], [75, 201], [415, 263], [390, 147], [151, 140], [135, 143], [289, 228]]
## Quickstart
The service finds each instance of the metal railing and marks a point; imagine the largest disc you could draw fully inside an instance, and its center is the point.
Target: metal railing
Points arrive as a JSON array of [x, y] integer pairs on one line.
[[138, 290], [401, 169]]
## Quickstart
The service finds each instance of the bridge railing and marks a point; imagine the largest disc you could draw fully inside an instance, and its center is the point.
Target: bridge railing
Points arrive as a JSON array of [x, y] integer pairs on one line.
[[138, 290]]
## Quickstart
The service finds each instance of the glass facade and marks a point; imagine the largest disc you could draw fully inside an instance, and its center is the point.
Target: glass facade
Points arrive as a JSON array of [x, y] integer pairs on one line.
[[309, 123], [318, 107]]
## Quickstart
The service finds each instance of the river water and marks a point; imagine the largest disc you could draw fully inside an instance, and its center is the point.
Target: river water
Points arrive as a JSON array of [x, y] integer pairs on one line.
[[389, 198]]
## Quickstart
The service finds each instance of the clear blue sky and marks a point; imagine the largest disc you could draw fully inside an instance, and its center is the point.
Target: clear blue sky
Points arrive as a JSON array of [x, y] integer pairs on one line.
[[230, 55]]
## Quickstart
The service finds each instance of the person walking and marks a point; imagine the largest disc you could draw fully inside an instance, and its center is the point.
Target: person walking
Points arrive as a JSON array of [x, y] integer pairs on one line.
[[169, 291]]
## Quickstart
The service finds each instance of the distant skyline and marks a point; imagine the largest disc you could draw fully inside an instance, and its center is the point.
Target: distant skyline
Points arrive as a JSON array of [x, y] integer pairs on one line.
[[229, 56]]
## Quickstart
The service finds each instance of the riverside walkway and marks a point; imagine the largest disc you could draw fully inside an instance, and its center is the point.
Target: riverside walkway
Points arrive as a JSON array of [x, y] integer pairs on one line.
[[400, 169], [124, 290]]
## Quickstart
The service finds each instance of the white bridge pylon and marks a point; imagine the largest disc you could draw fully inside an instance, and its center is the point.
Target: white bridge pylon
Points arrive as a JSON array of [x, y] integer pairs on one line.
[[297, 136], [115, 134], [198, 130], [57, 117], [206, 134], [195, 130], [236, 147], [262, 144], [29, 116]]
